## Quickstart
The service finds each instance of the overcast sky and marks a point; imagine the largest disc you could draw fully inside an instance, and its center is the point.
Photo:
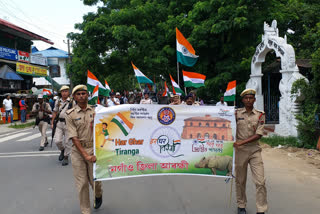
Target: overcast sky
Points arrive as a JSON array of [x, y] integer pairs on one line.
[[52, 19]]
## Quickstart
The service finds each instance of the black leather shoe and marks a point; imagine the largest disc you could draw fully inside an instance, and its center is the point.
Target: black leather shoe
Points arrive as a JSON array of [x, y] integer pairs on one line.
[[65, 161], [242, 211], [98, 202], [61, 156], [41, 148]]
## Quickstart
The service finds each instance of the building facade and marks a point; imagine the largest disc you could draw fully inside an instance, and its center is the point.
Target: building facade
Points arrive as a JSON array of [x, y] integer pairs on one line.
[[207, 127], [57, 61]]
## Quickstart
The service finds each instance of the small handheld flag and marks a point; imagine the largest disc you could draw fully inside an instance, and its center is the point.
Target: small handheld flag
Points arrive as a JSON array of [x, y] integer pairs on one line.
[[192, 79], [140, 76], [230, 94], [175, 87]]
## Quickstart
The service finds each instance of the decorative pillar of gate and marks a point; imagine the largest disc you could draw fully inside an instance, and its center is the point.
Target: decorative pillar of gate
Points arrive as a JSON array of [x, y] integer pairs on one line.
[[290, 73]]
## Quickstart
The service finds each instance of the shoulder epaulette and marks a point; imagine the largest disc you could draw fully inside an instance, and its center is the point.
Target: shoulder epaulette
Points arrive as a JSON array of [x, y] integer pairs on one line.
[[69, 111]]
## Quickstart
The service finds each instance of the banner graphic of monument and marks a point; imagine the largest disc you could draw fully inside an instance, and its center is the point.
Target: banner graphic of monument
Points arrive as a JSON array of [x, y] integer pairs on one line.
[[148, 140]]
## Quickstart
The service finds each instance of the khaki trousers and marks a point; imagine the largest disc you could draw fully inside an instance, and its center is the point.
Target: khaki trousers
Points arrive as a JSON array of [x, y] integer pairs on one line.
[[83, 175], [43, 129], [242, 159], [61, 138]]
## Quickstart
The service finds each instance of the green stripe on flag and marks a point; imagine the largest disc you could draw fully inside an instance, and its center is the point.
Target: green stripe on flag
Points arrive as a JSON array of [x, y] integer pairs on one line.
[[142, 79], [191, 84], [120, 126], [230, 98], [185, 60]]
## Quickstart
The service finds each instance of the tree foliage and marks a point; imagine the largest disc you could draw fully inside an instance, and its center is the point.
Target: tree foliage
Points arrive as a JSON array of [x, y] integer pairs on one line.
[[224, 34]]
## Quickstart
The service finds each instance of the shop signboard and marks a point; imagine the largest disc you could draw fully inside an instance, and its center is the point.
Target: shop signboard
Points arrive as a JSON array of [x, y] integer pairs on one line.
[[23, 56], [27, 69], [39, 60], [8, 53]]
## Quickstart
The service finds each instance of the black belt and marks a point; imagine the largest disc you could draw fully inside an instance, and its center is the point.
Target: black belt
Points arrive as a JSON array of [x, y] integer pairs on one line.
[[62, 120]]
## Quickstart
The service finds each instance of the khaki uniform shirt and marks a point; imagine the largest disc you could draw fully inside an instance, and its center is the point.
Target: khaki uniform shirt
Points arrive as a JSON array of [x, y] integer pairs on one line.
[[79, 124], [249, 124], [41, 114], [62, 104]]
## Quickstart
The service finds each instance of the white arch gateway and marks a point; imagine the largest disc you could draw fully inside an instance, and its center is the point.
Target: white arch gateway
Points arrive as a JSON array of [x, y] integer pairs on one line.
[[289, 71]]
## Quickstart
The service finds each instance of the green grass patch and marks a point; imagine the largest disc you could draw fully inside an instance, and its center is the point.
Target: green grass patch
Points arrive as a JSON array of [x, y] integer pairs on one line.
[[283, 141], [21, 126]]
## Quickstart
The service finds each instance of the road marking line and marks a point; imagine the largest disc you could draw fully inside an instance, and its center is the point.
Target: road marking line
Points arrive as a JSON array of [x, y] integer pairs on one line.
[[13, 136], [34, 136], [16, 153], [22, 156], [10, 133]]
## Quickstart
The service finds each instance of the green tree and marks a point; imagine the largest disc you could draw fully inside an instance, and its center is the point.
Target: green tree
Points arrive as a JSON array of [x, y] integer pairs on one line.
[[224, 34]]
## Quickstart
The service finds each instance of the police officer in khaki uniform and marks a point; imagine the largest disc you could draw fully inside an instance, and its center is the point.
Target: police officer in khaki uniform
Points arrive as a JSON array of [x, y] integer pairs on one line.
[[250, 126], [61, 136], [80, 129], [42, 109]]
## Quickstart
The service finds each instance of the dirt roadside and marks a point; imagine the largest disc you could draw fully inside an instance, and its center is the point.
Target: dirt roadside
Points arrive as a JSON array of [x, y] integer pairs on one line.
[[304, 163]]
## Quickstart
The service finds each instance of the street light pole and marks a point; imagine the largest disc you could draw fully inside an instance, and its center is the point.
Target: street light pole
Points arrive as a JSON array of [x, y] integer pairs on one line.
[[69, 62]]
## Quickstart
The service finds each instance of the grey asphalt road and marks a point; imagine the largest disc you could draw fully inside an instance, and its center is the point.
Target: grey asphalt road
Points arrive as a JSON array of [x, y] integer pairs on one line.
[[33, 182]]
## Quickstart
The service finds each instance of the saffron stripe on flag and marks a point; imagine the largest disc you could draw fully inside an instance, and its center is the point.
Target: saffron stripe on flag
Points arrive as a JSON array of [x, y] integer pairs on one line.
[[125, 120]]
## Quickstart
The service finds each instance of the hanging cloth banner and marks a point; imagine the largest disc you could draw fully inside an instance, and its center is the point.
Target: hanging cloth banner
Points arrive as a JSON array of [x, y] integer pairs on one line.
[[148, 140]]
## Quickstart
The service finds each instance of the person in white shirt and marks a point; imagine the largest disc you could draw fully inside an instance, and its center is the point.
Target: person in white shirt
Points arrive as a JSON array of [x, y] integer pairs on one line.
[[222, 103], [7, 104], [112, 101], [146, 99]]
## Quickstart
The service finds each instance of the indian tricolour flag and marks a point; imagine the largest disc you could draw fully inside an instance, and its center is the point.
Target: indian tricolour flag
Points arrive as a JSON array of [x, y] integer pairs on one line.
[[93, 81], [185, 52], [123, 123], [166, 90], [140, 76], [107, 87], [175, 87], [230, 94], [46, 93], [192, 79], [95, 96]]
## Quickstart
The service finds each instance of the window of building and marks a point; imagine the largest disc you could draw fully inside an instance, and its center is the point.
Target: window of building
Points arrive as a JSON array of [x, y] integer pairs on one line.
[[215, 125], [191, 124], [199, 124], [55, 71], [206, 135], [224, 125], [190, 136], [207, 124], [214, 136], [222, 138], [199, 135]]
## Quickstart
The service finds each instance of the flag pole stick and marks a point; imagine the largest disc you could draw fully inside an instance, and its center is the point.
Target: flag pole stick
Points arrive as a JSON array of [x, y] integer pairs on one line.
[[178, 73], [185, 91]]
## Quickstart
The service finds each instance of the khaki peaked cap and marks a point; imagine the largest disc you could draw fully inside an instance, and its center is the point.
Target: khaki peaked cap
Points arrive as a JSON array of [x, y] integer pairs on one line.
[[79, 88], [65, 87], [248, 91]]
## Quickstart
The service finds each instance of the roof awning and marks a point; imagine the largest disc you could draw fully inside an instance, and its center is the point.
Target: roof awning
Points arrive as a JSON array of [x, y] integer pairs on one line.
[[8, 74]]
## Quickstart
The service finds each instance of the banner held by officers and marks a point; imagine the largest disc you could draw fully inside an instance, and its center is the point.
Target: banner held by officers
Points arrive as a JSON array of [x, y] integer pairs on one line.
[[144, 140]]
